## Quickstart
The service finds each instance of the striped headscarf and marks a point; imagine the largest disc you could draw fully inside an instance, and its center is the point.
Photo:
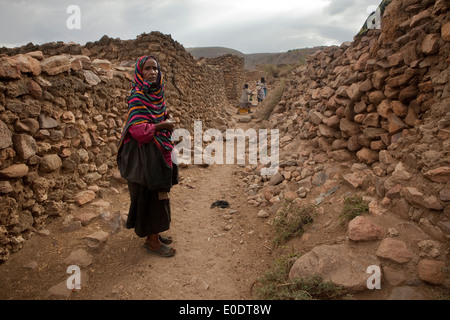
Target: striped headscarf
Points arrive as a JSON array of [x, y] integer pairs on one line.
[[147, 104]]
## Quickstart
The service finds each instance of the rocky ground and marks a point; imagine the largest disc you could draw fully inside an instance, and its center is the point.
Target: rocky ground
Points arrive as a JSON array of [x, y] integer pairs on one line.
[[221, 252]]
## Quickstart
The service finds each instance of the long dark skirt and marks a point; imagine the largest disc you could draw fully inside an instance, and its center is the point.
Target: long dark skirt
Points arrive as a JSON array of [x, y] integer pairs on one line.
[[147, 215]]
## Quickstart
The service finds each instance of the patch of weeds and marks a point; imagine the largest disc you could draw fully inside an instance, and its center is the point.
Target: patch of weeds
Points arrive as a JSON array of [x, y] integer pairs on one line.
[[290, 221], [276, 285], [445, 295], [353, 206], [279, 71]]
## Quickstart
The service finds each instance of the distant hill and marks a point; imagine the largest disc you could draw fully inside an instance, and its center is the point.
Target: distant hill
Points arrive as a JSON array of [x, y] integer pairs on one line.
[[252, 60], [212, 52]]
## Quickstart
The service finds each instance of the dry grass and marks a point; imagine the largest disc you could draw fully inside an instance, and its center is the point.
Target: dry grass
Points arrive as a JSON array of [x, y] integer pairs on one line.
[[276, 285], [290, 222], [353, 206], [274, 96]]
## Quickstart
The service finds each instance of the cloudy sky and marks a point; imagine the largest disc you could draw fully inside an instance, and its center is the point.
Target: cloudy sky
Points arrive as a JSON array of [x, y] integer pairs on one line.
[[250, 26]]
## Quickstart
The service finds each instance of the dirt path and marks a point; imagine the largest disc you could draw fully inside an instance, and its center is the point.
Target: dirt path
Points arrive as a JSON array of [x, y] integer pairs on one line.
[[220, 252]]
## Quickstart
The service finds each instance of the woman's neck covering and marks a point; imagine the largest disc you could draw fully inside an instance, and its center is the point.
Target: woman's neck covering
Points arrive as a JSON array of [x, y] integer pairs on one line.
[[147, 104]]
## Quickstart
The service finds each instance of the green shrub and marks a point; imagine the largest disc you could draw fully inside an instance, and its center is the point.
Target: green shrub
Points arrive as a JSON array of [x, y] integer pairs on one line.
[[353, 206], [290, 222], [276, 285]]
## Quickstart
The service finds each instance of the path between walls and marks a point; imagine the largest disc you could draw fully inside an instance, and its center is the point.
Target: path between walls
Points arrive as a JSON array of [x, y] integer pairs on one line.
[[220, 252]]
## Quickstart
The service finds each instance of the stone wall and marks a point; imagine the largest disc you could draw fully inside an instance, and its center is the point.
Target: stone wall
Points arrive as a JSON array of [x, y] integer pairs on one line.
[[383, 100], [233, 72], [177, 64], [62, 110]]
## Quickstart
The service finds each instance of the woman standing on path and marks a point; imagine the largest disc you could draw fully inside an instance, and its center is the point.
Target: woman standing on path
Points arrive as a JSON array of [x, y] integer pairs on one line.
[[244, 102], [144, 157], [261, 90]]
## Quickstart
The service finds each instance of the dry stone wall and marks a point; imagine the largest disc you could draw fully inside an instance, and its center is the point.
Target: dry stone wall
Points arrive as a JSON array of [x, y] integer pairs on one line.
[[371, 117], [383, 100], [62, 110], [233, 71], [190, 83]]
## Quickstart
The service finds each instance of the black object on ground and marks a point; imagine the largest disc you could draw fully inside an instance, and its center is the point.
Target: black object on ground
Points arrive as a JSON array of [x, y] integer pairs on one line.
[[221, 204]]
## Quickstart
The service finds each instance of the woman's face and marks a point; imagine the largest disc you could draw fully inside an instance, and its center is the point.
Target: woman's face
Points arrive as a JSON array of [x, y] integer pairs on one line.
[[150, 70]]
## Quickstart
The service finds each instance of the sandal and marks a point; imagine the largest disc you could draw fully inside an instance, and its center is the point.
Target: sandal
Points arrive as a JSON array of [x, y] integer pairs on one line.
[[163, 250], [165, 239]]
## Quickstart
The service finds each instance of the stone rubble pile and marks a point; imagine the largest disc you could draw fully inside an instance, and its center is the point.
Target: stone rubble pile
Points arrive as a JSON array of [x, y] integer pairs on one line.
[[380, 108]]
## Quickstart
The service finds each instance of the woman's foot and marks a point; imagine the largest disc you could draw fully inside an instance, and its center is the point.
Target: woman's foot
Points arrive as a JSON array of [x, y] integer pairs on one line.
[[163, 250], [156, 246], [165, 239]]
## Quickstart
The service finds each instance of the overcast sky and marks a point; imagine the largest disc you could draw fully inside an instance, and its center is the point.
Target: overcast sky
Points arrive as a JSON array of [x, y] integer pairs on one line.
[[250, 26]]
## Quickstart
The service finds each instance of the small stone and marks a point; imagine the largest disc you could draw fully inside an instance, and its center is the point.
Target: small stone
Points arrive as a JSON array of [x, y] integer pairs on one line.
[[431, 271], [394, 250], [362, 229], [72, 226], [60, 290], [84, 197], [31, 265], [97, 238], [80, 258], [392, 232], [444, 195], [43, 232], [263, 214], [429, 248], [85, 217]]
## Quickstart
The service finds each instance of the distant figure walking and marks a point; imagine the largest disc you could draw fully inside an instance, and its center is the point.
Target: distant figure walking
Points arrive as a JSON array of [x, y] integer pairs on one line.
[[244, 102], [261, 90]]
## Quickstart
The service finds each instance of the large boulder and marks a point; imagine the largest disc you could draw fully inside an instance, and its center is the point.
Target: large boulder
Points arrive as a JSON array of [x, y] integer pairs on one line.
[[335, 263]]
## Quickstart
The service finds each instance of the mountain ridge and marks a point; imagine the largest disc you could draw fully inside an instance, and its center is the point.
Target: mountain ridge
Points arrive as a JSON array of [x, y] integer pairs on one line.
[[251, 60]]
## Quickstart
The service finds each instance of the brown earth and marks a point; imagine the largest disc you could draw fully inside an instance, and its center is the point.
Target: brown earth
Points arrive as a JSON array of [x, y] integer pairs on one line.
[[211, 262], [221, 253]]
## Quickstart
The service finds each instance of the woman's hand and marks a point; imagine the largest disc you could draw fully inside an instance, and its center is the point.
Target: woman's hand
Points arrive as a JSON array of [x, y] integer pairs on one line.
[[168, 124]]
